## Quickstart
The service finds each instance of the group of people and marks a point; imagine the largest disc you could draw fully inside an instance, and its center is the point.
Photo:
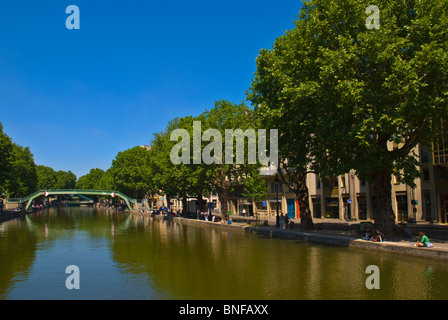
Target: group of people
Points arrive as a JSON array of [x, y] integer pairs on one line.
[[284, 221], [377, 236], [373, 235], [201, 215]]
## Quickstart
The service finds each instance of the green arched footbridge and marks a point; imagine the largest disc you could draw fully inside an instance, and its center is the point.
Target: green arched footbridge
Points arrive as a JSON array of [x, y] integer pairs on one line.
[[27, 201]]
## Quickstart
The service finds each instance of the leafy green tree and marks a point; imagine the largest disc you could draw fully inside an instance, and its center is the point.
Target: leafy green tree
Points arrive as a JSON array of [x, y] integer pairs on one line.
[[106, 182], [223, 175], [6, 154], [131, 171], [65, 180], [46, 178], [364, 89], [289, 111], [91, 180], [183, 180], [23, 178], [255, 187]]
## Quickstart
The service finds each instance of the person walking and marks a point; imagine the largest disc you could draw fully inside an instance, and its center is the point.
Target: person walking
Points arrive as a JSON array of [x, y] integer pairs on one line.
[[282, 221], [286, 223]]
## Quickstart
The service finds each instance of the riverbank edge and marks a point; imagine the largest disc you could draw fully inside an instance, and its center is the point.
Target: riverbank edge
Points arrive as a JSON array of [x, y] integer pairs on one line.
[[323, 238], [7, 215]]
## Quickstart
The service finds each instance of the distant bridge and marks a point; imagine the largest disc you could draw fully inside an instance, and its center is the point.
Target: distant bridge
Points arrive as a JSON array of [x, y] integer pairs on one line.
[[29, 199]]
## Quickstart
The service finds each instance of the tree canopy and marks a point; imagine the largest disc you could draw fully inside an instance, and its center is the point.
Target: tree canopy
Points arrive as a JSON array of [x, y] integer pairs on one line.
[[131, 172], [356, 91]]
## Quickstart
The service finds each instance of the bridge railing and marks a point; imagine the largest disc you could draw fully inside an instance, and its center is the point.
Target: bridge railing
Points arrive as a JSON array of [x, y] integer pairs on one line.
[[36, 194]]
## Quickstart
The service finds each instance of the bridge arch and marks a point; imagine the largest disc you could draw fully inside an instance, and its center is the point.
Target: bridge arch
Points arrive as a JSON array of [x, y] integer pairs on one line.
[[29, 199]]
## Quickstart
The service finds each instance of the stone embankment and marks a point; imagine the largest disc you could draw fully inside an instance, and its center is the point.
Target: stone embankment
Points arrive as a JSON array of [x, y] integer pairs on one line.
[[331, 237]]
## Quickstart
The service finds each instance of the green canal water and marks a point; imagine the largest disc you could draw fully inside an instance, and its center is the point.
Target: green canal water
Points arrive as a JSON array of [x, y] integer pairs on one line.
[[123, 256]]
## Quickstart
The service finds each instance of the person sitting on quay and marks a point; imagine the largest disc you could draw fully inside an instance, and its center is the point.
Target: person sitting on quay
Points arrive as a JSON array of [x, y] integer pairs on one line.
[[378, 236], [367, 235], [424, 241]]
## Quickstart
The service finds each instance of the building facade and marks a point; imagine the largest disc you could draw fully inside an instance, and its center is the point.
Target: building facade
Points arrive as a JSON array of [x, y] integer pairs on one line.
[[347, 197]]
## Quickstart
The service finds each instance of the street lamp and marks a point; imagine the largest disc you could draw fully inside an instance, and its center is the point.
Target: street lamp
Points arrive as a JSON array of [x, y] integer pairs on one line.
[[277, 219]]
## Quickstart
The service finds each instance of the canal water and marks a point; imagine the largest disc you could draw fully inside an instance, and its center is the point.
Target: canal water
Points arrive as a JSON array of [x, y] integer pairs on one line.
[[125, 256]]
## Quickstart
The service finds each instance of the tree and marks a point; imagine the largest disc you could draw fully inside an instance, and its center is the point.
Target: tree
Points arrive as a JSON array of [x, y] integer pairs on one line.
[[131, 172], [46, 178], [65, 180], [6, 154], [91, 180], [178, 180], [222, 175], [106, 182], [23, 177], [291, 112], [367, 88]]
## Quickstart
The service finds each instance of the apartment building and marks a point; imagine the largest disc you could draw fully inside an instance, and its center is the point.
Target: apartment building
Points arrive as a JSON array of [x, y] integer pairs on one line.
[[347, 197]]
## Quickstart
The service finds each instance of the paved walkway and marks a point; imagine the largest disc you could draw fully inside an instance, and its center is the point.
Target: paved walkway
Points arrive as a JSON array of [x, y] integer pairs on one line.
[[437, 233], [347, 233]]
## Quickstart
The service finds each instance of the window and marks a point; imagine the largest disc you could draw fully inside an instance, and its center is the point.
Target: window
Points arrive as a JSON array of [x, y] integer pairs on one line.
[[343, 182], [260, 207], [424, 155], [440, 150], [396, 177], [441, 173], [402, 206], [426, 176], [362, 208], [317, 208]]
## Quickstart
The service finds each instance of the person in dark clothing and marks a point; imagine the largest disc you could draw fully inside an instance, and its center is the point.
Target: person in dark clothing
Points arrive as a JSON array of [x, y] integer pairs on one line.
[[367, 234], [286, 221], [378, 236]]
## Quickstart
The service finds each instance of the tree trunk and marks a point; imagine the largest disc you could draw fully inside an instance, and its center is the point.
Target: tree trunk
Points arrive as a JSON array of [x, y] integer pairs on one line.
[[383, 214], [184, 205], [302, 195], [223, 200], [201, 202]]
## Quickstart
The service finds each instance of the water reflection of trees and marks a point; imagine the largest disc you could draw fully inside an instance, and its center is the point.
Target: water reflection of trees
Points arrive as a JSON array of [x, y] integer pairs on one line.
[[17, 253], [193, 262]]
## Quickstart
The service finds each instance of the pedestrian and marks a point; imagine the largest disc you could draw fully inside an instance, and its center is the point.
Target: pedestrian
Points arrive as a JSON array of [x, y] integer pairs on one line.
[[286, 223], [282, 221], [378, 236]]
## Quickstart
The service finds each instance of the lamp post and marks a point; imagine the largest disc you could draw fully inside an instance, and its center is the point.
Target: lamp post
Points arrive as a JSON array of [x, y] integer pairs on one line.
[[277, 219]]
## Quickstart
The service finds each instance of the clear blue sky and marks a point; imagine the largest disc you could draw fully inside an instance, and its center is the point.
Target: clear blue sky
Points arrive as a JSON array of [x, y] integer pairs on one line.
[[78, 97]]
